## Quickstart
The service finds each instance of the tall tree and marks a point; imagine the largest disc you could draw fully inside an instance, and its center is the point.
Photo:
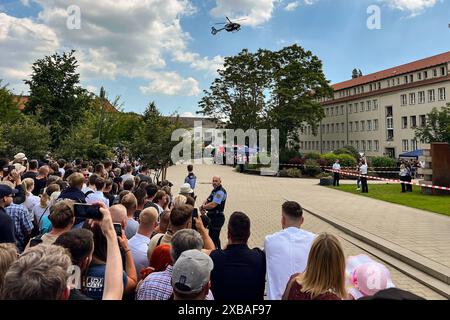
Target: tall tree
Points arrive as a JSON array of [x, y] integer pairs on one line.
[[9, 109], [437, 127], [298, 85], [278, 90], [55, 94], [237, 96], [152, 142]]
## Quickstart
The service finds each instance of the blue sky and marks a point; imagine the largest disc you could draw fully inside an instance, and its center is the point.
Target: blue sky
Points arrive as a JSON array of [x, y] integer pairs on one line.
[[163, 50]]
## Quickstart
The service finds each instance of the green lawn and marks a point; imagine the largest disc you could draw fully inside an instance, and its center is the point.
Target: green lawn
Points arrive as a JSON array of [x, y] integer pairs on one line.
[[392, 193]]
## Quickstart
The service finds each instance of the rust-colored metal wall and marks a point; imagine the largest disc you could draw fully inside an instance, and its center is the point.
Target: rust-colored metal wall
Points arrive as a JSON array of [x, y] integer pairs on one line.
[[440, 153]]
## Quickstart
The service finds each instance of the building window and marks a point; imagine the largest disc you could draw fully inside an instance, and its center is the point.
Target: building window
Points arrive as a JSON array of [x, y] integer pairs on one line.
[[351, 143], [412, 98], [350, 126], [369, 105], [405, 78], [419, 76], [375, 105], [413, 144], [342, 127], [363, 145], [434, 72], [441, 94], [425, 75], [333, 145], [357, 145], [443, 71], [331, 111], [356, 126], [421, 96], [332, 128], [356, 107], [377, 145], [413, 121], [361, 107], [375, 125], [431, 96], [363, 126], [404, 100], [328, 145], [379, 85], [369, 145], [327, 112], [422, 121], [369, 125], [398, 81], [405, 145], [411, 78], [404, 122], [328, 128], [350, 108], [342, 110]]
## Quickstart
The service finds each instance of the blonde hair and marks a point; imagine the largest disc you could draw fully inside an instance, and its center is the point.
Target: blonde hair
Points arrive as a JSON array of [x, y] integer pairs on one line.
[[129, 201], [28, 185], [8, 254], [325, 270], [179, 200], [148, 217], [45, 198]]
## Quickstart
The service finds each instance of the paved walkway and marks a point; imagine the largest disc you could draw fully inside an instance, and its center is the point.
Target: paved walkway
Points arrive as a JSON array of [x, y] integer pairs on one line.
[[425, 233]]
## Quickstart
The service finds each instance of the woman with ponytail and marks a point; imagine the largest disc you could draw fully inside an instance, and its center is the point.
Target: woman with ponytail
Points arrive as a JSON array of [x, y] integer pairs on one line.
[[43, 208]]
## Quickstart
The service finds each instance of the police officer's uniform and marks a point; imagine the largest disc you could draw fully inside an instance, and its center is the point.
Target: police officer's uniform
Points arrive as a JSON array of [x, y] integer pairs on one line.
[[218, 196]]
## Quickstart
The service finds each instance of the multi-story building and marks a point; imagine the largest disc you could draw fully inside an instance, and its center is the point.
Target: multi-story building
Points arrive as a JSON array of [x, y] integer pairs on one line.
[[378, 113]]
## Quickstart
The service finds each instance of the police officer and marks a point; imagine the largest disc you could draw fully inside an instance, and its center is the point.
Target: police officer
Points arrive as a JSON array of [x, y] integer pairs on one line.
[[215, 207]]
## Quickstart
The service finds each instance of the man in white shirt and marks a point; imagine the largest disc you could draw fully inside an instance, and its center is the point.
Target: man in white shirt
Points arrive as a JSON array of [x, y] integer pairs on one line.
[[138, 244], [90, 187], [98, 196], [336, 168], [129, 174], [363, 172], [287, 250]]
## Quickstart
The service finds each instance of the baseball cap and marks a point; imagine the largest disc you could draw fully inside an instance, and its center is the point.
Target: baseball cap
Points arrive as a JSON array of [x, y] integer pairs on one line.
[[7, 190], [191, 272]]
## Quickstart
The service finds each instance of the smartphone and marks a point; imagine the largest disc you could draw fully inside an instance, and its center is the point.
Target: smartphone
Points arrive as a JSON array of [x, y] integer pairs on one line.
[[87, 211], [118, 229], [194, 215]]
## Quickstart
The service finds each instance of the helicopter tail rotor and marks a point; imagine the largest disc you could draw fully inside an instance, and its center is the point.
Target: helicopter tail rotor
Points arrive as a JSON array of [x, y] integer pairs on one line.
[[214, 31]]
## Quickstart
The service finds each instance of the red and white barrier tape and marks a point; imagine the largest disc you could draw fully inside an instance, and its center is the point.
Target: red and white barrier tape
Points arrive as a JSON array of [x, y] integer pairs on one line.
[[302, 165], [390, 180]]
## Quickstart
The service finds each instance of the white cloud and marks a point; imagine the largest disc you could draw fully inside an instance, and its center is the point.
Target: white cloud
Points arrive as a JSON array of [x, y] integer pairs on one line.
[[414, 7], [22, 42], [171, 83], [131, 38], [187, 115], [291, 6], [25, 2], [255, 12]]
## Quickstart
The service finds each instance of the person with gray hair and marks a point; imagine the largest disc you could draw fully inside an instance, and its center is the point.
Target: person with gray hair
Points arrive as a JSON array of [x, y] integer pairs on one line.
[[41, 273], [158, 285]]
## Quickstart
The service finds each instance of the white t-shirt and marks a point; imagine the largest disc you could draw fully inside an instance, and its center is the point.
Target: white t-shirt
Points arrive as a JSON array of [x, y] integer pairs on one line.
[[363, 169], [286, 254], [97, 196], [139, 246], [336, 166], [31, 202], [37, 212]]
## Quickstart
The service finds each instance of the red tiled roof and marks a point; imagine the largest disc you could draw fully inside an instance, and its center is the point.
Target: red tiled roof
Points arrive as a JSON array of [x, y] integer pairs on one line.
[[22, 100], [392, 72]]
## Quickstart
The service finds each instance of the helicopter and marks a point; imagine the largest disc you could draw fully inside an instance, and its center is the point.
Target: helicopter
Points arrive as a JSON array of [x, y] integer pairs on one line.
[[228, 26]]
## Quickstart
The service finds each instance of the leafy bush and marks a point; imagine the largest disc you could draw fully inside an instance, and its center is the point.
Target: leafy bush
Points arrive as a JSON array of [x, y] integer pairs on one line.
[[286, 155], [329, 158], [283, 173], [297, 161], [347, 160], [294, 173], [312, 155], [348, 150], [383, 162], [312, 168]]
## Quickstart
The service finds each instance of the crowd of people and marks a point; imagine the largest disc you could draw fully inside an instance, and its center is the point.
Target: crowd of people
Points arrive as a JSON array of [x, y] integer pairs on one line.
[[151, 243]]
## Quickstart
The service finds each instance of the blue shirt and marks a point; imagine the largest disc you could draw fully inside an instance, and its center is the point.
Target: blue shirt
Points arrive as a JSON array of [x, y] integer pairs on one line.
[[95, 281], [191, 179]]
